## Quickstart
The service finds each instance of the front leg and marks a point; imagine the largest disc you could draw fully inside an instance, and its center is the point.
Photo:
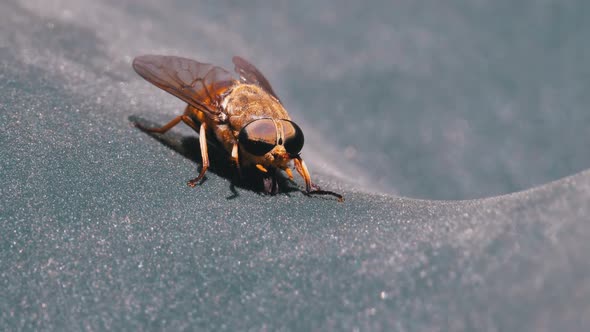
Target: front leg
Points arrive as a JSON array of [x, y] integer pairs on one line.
[[311, 188], [302, 170]]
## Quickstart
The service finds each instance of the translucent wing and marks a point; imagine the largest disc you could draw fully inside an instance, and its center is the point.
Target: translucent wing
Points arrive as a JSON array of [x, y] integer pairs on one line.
[[250, 74], [199, 84]]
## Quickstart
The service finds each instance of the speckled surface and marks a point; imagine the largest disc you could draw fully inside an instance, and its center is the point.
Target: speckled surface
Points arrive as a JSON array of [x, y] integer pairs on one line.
[[98, 230]]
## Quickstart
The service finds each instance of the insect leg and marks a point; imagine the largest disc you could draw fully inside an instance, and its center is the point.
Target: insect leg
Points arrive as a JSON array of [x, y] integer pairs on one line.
[[189, 122], [204, 154], [236, 158], [163, 129], [302, 170], [310, 187]]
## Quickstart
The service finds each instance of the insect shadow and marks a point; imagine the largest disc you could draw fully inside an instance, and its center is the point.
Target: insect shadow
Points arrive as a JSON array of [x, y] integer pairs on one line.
[[220, 164]]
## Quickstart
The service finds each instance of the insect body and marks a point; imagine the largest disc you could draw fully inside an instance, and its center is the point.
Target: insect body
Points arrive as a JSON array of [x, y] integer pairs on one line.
[[245, 115]]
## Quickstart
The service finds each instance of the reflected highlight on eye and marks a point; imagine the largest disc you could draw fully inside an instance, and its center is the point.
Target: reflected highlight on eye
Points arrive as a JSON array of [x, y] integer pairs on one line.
[[293, 137], [259, 136]]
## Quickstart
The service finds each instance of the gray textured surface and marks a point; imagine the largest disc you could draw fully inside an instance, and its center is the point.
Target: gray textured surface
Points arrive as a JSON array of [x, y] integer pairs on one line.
[[99, 231]]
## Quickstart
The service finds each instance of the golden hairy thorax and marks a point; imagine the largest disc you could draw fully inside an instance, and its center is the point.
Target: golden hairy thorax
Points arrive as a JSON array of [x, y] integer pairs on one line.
[[246, 102]]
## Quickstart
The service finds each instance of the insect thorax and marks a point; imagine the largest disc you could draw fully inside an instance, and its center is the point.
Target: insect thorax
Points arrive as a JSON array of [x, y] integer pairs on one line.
[[249, 102]]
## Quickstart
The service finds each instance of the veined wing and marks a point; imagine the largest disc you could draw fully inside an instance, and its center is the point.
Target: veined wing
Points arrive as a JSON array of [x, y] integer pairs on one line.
[[250, 74], [199, 84]]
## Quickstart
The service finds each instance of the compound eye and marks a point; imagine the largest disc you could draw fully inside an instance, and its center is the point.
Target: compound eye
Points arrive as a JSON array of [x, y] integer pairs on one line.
[[293, 137], [258, 137]]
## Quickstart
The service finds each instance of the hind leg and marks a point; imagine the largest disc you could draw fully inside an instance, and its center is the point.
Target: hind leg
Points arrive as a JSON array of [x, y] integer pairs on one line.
[[162, 129], [186, 118]]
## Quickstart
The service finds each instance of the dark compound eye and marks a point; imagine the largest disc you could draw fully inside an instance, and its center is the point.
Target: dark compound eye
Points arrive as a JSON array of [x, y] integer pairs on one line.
[[258, 137], [293, 137]]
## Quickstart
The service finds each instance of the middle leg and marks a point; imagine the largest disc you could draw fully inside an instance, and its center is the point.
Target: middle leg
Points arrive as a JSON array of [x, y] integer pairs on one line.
[[204, 153]]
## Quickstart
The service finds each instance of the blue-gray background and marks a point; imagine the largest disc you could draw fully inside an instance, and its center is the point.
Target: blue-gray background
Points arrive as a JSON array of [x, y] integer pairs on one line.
[[431, 99]]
